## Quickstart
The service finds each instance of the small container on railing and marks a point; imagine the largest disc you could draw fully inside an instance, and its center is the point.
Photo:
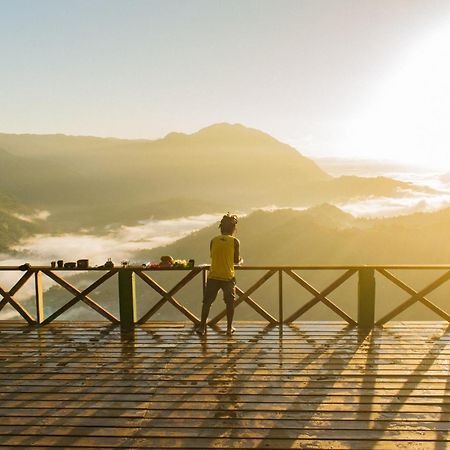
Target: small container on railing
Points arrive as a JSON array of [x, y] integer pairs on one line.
[[108, 264], [83, 264]]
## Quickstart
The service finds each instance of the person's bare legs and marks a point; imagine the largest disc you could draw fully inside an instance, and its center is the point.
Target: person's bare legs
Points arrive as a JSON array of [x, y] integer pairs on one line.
[[229, 297], [201, 327], [230, 315], [212, 287]]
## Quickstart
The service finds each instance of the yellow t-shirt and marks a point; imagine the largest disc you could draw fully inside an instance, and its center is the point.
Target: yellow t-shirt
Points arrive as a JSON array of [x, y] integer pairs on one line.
[[222, 258]]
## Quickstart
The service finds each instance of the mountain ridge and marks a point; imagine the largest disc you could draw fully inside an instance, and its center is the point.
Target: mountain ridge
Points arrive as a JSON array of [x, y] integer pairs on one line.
[[91, 182]]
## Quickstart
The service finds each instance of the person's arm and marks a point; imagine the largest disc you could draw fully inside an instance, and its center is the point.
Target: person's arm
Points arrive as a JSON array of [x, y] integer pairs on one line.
[[237, 256]]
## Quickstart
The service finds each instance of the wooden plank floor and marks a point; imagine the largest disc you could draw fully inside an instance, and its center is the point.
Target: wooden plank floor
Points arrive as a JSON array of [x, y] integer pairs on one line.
[[318, 385]]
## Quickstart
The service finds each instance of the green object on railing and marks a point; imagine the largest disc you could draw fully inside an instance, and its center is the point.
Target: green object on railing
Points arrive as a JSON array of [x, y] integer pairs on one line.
[[127, 298], [366, 298]]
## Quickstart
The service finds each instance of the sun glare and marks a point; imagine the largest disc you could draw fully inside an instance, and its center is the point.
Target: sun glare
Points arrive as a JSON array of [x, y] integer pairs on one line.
[[407, 118]]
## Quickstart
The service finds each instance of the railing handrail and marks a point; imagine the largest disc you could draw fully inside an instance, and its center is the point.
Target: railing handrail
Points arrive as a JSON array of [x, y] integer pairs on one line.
[[245, 267]]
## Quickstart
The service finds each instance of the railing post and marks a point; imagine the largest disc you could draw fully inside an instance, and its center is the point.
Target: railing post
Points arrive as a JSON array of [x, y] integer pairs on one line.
[[39, 297], [366, 298], [127, 298], [280, 299]]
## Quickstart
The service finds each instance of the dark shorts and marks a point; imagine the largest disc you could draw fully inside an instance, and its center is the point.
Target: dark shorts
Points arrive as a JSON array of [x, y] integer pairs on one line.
[[213, 286]]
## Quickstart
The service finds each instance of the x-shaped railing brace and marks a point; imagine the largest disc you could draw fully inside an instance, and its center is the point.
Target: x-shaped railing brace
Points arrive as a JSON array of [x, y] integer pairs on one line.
[[245, 296], [320, 296], [8, 297], [80, 296], [415, 296], [168, 296]]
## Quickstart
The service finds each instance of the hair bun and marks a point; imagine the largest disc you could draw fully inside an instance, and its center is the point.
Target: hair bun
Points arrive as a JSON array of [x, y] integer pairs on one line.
[[229, 219]]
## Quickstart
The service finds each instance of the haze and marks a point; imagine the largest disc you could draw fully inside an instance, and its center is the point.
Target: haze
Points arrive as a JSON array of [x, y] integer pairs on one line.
[[350, 78]]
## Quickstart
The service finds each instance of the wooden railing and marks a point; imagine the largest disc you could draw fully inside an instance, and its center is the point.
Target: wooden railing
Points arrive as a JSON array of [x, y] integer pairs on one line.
[[366, 292]]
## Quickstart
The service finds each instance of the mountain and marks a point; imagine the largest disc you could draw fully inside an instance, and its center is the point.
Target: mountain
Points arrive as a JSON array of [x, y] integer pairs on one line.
[[347, 187], [16, 222], [38, 181], [89, 181]]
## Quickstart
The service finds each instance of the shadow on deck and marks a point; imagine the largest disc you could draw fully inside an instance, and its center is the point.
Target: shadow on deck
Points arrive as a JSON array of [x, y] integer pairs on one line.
[[317, 385]]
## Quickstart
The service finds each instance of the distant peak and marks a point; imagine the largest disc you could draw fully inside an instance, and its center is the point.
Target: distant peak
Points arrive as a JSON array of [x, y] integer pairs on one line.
[[227, 130], [175, 135], [217, 130], [328, 209], [223, 126]]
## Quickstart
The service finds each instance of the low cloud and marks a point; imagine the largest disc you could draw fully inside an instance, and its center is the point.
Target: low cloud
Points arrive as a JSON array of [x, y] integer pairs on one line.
[[409, 203], [38, 215], [118, 244]]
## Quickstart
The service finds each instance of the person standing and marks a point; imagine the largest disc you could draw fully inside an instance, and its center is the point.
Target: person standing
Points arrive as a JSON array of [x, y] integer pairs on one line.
[[224, 250]]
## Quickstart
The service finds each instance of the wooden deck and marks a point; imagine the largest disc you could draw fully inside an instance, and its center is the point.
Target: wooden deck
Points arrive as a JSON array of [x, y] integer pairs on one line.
[[318, 385]]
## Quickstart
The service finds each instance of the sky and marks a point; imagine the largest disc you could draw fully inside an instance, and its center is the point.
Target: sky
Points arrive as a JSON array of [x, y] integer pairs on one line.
[[334, 78]]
